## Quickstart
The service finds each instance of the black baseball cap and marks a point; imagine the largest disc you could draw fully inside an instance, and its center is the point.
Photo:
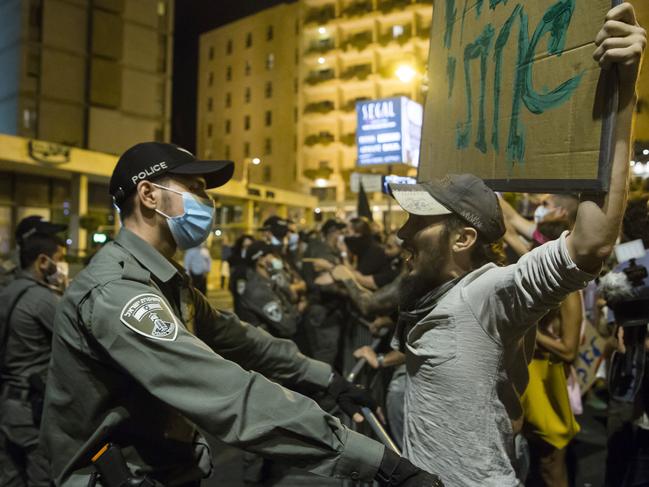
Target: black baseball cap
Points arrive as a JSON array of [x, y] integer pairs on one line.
[[276, 225], [332, 224], [34, 224], [465, 195], [151, 160], [257, 250]]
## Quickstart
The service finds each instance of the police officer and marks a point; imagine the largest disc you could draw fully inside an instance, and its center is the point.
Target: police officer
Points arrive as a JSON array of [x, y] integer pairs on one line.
[[26, 321], [28, 226], [140, 359], [326, 312], [262, 304]]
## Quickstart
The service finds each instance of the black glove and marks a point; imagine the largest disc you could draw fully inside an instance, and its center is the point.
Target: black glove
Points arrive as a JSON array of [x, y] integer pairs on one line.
[[396, 471], [350, 397]]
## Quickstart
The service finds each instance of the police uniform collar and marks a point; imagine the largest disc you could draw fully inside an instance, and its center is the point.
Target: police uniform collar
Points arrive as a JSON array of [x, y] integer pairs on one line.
[[146, 255]]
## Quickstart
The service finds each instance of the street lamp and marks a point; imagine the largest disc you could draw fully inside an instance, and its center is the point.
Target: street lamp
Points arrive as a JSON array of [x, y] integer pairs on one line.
[[255, 161], [405, 73]]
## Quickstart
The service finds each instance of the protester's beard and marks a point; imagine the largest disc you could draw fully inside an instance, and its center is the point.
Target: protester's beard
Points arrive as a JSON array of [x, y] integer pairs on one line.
[[426, 276]]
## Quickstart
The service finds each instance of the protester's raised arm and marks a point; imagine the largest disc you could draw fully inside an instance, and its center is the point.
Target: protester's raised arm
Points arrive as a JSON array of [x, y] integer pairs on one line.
[[621, 43]]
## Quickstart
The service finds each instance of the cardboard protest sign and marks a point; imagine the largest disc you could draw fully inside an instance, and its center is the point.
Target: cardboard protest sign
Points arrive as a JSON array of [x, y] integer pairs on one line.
[[513, 95], [589, 358]]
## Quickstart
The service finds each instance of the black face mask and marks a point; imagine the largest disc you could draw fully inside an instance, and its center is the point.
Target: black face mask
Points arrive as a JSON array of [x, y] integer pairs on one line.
[[357, 245]]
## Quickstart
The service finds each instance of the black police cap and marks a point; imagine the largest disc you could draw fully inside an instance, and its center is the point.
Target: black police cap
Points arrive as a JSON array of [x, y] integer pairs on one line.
[[34, 224], [151, 160]]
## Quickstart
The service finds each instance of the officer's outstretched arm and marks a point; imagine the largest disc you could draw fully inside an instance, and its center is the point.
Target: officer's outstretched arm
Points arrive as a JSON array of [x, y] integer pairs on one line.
[[140, 332], [254, 349]]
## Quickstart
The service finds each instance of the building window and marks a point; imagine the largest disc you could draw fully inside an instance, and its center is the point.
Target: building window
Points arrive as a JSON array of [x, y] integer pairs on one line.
[[246, 149], [210, 79], [210, 53], [246, 122], [227, 151], [246, 96], [269, 89], [228, 73], [249, 39], [268, 146], [266, 175], [269, 118], [228, 47], [269, 33], [248, 68], [209, 104], [209, 130], [270, 61], [228, 100], [397, 31], [227, 126]]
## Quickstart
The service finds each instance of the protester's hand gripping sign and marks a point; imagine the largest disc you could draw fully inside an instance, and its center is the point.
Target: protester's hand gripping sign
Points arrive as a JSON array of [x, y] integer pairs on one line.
[[512, 95]]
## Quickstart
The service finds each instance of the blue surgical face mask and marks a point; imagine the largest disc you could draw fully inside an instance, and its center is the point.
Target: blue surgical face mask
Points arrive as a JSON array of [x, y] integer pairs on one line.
[[276, 264], [275, 242], [192, 227]]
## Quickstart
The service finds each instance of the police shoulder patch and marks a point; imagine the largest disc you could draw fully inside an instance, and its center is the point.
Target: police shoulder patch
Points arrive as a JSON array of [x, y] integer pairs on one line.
[[149, 315], [241, 286], [273, 310]]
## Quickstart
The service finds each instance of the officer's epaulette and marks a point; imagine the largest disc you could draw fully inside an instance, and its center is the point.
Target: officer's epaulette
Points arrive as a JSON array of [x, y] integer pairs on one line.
[[133, 272]]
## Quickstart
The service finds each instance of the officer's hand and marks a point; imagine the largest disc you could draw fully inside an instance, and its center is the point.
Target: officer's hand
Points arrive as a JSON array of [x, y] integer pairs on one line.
[[351, 397], [399, 472]]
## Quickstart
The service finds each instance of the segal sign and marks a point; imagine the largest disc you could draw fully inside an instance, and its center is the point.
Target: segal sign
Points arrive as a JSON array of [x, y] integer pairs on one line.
[[388, 131]]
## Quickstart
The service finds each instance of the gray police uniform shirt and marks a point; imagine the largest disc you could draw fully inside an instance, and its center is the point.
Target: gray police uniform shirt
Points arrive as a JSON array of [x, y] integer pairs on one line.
[[263, 305], [456, 424], [140, 359], [29, 335]]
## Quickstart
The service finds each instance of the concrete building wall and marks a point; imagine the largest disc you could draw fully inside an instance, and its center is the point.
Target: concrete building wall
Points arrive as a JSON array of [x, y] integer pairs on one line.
[[258, 101], [63, 68]]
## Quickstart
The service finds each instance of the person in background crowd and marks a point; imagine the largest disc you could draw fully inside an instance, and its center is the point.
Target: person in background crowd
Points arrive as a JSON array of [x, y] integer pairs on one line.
[[368, 253], [549, 421], [462, 316], [261, 303], [26, 227], [627, 422], [226, 252], [198, 264], [238, 268], [26, 324], [326, 312]]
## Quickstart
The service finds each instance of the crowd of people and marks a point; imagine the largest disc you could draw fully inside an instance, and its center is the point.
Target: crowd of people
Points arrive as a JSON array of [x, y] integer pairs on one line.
[[469, 318]]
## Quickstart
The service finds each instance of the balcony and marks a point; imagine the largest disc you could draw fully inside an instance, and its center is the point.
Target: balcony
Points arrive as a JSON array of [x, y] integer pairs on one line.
[[394, 36], [358, 71], [355, 9], [321, 46], [320, 15], [324, 138], [386, 6], [316, 77], [319, 107], [358, 41], [351, 104], [424, 2]]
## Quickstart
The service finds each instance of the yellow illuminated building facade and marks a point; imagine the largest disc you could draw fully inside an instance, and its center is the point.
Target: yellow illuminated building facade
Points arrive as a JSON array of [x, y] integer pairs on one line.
[[247, 112], [353, 50]]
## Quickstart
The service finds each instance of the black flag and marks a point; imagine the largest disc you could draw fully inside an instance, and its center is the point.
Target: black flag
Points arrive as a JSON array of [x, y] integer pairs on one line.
[[363, 208]]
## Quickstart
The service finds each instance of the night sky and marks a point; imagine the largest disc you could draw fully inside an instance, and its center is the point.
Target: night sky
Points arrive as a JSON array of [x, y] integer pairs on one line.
[[193, 17]]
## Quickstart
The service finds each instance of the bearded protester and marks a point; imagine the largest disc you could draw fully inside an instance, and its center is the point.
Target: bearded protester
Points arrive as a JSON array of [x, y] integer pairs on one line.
[[462, 317]]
